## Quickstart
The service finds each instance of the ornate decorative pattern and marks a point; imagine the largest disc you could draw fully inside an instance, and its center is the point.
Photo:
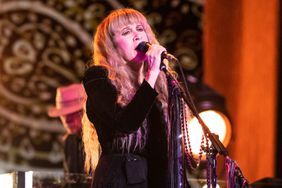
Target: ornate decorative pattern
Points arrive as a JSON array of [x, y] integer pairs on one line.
[[46, 44]]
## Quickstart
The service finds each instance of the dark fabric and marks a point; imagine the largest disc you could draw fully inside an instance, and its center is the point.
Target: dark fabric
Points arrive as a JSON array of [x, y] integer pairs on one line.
[[102, 97], [121, 171], [157, 149], [135, 169], [73, 154], [109, 118]]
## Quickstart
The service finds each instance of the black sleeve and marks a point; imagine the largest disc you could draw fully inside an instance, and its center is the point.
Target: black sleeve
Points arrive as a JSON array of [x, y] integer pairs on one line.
[[102, 97]]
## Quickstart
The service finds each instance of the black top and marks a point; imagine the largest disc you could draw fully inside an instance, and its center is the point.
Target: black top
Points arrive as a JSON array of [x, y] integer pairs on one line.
[[73, 154], [109, 119]]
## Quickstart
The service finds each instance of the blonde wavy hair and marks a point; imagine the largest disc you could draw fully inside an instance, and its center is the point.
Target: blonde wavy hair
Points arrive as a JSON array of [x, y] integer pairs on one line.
[[91, 144], [106, 54], [121, 75]]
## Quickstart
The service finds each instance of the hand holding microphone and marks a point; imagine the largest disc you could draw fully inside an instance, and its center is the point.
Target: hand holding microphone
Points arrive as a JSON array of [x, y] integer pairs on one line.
[[144, 47], [155, 55]]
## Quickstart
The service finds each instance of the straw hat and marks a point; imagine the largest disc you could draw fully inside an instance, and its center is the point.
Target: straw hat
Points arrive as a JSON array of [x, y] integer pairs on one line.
[[69, 99]]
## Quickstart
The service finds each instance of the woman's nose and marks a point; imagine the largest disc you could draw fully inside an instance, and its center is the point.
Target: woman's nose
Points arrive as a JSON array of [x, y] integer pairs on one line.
[[136, 36]]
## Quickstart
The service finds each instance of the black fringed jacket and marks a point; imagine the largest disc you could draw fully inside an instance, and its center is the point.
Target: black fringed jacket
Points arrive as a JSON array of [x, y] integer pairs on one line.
[[110, 118]]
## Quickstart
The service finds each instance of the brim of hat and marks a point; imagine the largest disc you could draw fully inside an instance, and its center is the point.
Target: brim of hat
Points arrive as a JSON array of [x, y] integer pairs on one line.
[[55, 112]]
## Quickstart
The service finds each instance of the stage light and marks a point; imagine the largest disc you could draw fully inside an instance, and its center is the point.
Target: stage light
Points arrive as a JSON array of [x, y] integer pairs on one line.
[[16, 179], [211, 108], [216, 121], [7, 180]]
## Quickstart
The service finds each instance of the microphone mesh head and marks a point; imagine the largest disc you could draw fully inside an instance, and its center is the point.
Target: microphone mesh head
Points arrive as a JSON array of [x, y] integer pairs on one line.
[[143, 47]]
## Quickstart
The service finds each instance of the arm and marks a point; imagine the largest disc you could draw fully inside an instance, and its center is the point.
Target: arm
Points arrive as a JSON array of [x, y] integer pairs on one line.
[[154, 61], [102, 97]]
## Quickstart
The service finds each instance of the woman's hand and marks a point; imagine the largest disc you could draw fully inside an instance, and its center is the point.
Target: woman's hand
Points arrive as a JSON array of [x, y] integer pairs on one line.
[[154, 61]]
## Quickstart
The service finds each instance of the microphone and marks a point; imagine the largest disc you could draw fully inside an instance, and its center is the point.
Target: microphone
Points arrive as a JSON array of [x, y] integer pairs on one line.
[[144, 46]]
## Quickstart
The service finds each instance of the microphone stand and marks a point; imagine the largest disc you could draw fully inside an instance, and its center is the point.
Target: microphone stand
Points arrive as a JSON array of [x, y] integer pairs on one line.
[[216, 144], [176, 155]]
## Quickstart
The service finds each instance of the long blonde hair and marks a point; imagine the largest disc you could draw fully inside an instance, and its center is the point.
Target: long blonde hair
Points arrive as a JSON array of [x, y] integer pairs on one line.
[[121, 75], [105, 54], [91, 143]]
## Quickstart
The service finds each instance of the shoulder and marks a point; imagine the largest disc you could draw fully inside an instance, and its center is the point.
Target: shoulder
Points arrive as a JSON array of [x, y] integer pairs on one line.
[[95, 73], [96, 80]]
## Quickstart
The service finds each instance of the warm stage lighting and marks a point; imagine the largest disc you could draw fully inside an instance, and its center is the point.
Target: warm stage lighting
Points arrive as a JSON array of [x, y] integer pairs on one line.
[[216, 121], [211, 108]]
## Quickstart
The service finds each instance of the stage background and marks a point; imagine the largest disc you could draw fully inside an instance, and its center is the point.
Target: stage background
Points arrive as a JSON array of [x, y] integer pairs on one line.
[[46, 44]]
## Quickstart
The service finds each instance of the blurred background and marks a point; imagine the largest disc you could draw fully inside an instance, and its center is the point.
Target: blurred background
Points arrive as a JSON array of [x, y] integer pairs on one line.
[[232, 46]]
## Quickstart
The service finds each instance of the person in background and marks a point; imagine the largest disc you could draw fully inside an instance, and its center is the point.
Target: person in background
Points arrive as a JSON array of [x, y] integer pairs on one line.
[[70, 101], [127, 103]]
